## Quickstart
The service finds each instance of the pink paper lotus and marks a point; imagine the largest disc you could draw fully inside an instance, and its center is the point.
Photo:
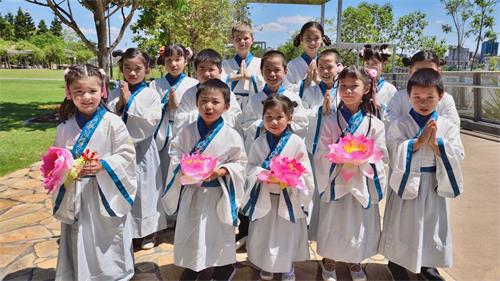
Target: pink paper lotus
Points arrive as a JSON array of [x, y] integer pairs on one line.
[[56, 166], [284, 171], [355, 153], [196, 168]]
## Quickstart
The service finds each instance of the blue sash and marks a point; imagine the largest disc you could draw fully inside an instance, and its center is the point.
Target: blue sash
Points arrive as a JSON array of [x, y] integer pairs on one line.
[[422, 120], [353, 121], [380, 83], [306, 58], [136, 90], [268, 92]]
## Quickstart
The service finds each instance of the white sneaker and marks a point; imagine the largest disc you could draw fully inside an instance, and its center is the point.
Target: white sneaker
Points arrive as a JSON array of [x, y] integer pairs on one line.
[[289, 276], [148, 242], [328, 275], [357, 275], [266, 276]]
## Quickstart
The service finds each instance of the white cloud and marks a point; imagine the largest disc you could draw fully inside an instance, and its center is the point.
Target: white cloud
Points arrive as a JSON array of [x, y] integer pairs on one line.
[[271, 27], [298, 19], [88, 31]]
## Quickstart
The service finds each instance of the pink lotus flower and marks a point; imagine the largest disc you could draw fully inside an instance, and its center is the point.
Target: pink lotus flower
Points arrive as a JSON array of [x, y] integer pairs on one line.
[[56, 166], [354, 152], [284, 171], [196, 168]]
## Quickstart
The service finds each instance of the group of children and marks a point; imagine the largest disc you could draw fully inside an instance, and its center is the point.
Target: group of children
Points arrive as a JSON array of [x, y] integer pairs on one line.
[[244, 112]]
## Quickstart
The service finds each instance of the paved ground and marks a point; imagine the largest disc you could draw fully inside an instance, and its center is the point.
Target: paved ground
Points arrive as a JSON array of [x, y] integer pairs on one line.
[[29, 234]]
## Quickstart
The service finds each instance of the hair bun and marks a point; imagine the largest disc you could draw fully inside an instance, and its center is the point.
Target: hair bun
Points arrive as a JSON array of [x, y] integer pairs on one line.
[[327, 40], [406, 61], [295, 104], [117, 53]]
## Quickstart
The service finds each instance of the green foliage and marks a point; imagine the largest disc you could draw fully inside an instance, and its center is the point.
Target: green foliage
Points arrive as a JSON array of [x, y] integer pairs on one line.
[[432, 44], [408, 31], [21, 29], [289, 49], [367, 23], [56, 27], [42, 27], [482, 23], [7, 30]]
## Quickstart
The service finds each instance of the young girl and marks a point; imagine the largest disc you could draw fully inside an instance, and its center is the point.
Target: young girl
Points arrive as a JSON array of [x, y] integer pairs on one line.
[[278, 230], [376, 58], [243, 71], [207, 214], [349, 220], [171, 88], [311, 37], [96, 231], [426, 151], [140, 109], [400, 104]]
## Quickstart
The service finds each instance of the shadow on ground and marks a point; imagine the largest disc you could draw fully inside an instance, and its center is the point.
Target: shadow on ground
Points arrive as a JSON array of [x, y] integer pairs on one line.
[[14, 115]]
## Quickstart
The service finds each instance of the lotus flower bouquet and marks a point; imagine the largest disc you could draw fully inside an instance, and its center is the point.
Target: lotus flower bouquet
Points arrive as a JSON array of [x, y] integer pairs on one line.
[[58, 166], [355, 152], [284, 171], [196, 167]]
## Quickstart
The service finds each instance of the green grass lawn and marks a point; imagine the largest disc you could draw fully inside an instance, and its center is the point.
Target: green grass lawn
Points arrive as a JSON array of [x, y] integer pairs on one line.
[[20, 100], [59, 74]]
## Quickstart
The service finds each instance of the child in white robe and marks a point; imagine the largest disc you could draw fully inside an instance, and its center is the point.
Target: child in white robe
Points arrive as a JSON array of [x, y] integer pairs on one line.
[[376, 58], [426, 151], [96, 230], [278, 228], [170, 88], [207, 214], [208, 65], [140, 109], [243, 71], [400, 103], [303, 68], [349, 219], [273, 67]]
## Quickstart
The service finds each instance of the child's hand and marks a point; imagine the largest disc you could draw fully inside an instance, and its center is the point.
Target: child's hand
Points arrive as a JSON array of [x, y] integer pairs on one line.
[[244, 73], [312, 74], [173, 101], [433, 140], [124, 95], [91, 168], [327, 104], [221, 172]]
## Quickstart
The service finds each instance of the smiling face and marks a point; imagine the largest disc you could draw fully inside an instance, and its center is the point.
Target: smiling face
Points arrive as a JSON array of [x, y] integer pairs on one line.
[[352, 91], [206, 71], [175, 64], [274, 72], [311, 40], [134, 70], [242, 41], [327, 68], [86, 95], [276, 120], [424, 100], [211, 105]]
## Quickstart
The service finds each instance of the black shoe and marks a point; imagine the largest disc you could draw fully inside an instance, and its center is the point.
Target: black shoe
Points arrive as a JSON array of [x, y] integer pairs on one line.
[[398, 272], [189, 275], [225, 273], [430, 273]]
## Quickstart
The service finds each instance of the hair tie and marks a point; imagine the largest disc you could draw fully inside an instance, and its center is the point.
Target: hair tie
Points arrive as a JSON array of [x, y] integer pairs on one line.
[[104, 91], [386, 51], [189, 53], [371, 72], [340, 67]]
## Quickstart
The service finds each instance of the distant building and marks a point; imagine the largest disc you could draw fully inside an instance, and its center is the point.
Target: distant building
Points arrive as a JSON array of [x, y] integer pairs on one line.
[[488, 49], [453, 59]]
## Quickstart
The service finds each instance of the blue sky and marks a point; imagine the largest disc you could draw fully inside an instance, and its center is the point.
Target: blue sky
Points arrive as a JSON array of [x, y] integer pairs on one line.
[[274, 23]]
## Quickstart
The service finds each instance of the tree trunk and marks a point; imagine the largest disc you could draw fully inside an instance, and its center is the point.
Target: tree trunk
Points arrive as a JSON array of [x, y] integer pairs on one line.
[[478, 40], [102, 35]]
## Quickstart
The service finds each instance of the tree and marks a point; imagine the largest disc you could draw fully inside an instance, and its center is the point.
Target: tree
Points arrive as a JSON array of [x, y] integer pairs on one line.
[[7, 30], [482, 20], [367, 23], [241, 11], [21, 30], [197, 24], [56, 27], [30, 25], [289, 50], [408, 31], [460, 11], [98, 10], [42, 27]]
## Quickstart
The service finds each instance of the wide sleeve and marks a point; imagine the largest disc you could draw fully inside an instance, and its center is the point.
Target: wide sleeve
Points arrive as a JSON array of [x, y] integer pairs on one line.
[[232, 116], [300, 120], [186, 112], [322, 167], [117, 180], [303, 196], [253, 185], [448, 109], [377, 184], [448, 171], [251, 118], [233, 184], [405, 176], [143, 115]]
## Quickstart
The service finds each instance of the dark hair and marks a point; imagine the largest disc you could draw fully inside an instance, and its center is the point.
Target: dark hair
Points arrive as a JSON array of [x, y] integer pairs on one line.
[[214, 85], [279, 100], [377, 53], [356, 72], [271, 54], [131, 53], [173, 49], [74, 73], [308, 25], [208, 55], [429, 56], [426, 77], [326, 52]]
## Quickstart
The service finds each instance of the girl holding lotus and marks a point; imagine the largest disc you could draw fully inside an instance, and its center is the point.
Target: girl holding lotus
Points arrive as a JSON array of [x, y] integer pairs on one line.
[[96, 230], [279, 183], [350, 176], [205, 186]]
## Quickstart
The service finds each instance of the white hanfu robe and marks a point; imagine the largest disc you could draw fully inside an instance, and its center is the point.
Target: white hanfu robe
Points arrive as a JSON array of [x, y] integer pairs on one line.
[[297, 69], [417, 229], [400, 105], [277, 234], [142, 115], [96, 230], [164, 133], [244, 89], [349, 219], [206, 215], [187, 112], [385, 92], [252, 123]]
